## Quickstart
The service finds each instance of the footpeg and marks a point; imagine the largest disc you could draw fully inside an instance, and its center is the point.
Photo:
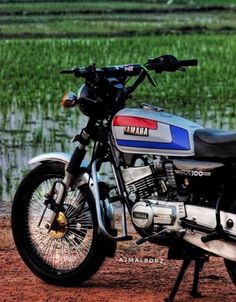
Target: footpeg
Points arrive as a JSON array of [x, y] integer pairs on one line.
[[157, 236], [217, 234], [124, 238]]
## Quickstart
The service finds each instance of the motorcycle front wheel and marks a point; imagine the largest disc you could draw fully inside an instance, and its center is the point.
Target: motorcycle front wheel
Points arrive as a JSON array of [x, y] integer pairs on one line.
[[71, 251]]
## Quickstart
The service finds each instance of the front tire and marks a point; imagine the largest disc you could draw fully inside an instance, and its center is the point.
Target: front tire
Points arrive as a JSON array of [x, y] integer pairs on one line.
[[71, 252]]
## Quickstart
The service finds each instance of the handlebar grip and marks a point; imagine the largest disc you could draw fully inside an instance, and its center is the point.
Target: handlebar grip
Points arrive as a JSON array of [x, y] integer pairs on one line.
[[185, 63], [78, 72], [168, 63], [67, 71]]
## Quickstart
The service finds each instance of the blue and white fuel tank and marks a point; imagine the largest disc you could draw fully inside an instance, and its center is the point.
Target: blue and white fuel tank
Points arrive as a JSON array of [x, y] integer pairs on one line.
[[149, 131]]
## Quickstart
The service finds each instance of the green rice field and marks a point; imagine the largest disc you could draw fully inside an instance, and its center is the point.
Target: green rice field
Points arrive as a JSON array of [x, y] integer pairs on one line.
[[31, 120], [114, 18]]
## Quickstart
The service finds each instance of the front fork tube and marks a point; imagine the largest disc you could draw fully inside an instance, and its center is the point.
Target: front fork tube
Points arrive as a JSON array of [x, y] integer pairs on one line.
[[60, 196], [71, 171]]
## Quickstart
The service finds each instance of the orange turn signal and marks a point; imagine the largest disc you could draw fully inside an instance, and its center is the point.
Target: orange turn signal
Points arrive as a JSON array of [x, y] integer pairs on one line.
[[69, 100]]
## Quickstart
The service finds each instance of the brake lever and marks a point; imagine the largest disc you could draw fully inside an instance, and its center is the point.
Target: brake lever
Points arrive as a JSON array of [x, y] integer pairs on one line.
[[150, 78]]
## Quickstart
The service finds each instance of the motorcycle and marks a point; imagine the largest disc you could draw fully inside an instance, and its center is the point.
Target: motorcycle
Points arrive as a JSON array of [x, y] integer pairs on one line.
[[175, 179]]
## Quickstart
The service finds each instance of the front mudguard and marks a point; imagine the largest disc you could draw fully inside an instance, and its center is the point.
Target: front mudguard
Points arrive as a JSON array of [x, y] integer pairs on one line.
[[107, 208], [54, 156]]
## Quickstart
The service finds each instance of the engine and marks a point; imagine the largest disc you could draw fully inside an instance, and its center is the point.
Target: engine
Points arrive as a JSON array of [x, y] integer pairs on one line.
[[140, 182], [148, 188], [151, 181], [160, 191], [150, 214]]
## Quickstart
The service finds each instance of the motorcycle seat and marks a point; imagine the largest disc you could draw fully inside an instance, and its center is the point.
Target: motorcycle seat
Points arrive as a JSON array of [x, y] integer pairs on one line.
[[215, 143]]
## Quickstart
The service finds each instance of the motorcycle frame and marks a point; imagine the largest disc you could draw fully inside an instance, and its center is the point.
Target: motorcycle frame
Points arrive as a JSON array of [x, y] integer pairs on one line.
[[72, 171], [74, 167], [122, 197]]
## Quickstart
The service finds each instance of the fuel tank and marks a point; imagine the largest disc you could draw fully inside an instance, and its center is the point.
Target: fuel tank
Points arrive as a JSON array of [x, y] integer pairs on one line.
[[149, 131]]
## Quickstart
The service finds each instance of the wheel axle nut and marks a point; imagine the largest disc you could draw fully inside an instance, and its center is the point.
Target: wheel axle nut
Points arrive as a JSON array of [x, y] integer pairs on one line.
[[47, 226]]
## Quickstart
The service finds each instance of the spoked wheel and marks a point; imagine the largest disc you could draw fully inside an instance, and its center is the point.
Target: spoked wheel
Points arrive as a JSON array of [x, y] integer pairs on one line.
[[71, 250]]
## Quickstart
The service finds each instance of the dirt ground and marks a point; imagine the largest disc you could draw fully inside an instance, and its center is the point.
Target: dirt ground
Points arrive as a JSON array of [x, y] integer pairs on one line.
[[137, 273]]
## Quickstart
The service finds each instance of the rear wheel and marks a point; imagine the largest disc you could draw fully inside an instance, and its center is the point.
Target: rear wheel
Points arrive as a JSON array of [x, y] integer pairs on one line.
[[69, 253]]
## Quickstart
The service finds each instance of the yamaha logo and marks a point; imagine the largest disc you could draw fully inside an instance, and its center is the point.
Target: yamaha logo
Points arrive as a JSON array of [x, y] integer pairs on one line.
[[139, 131], [140, 215]]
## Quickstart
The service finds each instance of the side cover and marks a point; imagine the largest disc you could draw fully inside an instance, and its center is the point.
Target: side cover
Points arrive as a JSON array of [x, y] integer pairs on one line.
[[145, 131]]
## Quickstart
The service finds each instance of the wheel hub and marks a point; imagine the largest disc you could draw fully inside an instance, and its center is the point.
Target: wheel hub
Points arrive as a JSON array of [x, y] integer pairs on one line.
[[60, 226]]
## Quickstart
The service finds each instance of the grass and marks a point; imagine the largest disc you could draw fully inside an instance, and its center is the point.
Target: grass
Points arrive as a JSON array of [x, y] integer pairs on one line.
[[94, 5], [60, 19], [33, 80], [31, 120], [118, 24], [105, 5]]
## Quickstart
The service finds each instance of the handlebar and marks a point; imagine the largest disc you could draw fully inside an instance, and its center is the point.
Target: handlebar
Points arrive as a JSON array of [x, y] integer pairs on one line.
[[159, 64], [169, 63], [110, 71], [186, 63]]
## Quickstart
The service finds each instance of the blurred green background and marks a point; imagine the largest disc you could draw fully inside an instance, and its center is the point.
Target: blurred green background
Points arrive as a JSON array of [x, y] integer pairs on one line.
[[38, 38]]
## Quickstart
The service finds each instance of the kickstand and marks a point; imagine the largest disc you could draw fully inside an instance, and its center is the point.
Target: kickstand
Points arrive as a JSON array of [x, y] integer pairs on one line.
[[182, 271], [199, 262]]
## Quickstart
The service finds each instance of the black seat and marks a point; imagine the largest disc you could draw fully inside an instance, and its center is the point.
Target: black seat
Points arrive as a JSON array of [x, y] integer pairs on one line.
[[215, 143]]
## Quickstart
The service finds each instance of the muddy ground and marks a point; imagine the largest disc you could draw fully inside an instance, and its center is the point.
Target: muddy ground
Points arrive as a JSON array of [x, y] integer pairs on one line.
[[117, 280]]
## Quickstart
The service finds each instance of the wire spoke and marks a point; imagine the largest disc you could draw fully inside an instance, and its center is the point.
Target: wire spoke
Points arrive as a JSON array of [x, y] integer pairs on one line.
[[65, 247]]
